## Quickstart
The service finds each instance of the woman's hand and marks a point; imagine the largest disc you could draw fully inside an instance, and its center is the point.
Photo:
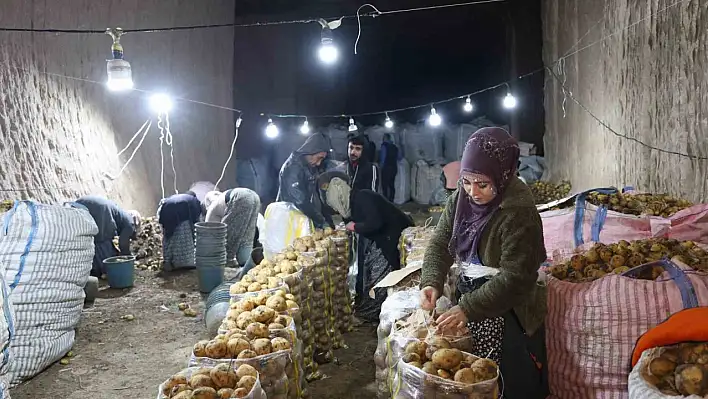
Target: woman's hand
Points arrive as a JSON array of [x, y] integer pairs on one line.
[[428, 297], [454, 318], [350, 226]]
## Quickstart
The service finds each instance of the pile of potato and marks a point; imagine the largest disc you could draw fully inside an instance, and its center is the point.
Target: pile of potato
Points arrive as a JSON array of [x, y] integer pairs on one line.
[[431, 368], [545, 192], [639, 204], [620, 257], [218, 382], [679, 370], [147, 247], [342, 300], [266, 308]]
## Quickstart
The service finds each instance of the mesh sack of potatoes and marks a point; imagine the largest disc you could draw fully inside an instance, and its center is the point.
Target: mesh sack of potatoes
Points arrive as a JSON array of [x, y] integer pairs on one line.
[[671, 371], [270, 366], [283, 266], [632, 203], [545, 192], [343, 308], [448, 373], [220, 381], [316, 273], [617, 258]]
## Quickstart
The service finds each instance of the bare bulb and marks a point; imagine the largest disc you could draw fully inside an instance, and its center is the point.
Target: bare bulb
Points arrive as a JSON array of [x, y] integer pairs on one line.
[[509, 101], [271, 130], [434, 119], [468, 105]]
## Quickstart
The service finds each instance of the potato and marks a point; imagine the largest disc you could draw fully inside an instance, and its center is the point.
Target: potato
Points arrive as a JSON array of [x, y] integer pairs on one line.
[[411, 357], [216, 349], [223, 376], [184, 395], [257, 330], [247, 304], [263, 314], [283, 320], [245, 369], [244, 319], [254, 287], [277, 303], [661, 367], [416, 365], [235, 333], [175, 380], [262, 346], [221, 337], [204, 393], [486, 369], [417, 347], [280, 344], [280, 293], [199, 349], [236, 345], [435, 343], [233, 288], [275, 326], [233, 314], [447, 358], [429, 368], [262, 280], [466, 376], [690, 379], [224, 393], [240, 289], [444, 374], [241, 393], [247, 354], [201, 380], [179, 388], [291, 304], [274, 282], [202, 370], [247, 382]]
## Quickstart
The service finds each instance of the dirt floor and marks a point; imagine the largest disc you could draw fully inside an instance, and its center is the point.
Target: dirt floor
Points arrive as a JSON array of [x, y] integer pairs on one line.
[[118, 356]]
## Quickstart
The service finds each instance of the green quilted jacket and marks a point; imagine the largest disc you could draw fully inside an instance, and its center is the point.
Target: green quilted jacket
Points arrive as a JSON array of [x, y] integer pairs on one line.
[[512, 242]]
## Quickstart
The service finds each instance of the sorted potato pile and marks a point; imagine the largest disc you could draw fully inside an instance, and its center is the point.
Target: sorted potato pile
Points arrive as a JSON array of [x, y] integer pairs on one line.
[[267, 309], [147, 247], [620, 257], [545, 192], [639, 204], [342, 301], [679, 370], [218, 382]]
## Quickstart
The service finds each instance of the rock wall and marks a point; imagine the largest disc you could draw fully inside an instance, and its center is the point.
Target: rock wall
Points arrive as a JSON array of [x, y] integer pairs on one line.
[[648, 83], [60, 128]]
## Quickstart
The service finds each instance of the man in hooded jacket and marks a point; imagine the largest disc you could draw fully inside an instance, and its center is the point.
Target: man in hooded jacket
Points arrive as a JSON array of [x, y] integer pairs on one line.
[[297, 182], [363, 174]]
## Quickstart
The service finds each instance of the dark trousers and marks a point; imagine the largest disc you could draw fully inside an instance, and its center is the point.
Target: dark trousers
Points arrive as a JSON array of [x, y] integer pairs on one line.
[[361, 269], [388, 181]]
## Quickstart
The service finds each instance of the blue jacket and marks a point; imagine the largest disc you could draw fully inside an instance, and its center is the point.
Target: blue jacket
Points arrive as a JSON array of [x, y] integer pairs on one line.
[[111, 221], [176, 209]]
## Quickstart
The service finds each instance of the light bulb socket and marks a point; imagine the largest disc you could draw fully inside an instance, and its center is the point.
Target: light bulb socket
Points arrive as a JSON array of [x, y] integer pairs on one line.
[[238, 122], [327, 37]]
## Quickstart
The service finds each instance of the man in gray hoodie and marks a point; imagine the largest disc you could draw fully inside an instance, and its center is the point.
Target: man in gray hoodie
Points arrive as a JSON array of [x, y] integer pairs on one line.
[[297, 182]]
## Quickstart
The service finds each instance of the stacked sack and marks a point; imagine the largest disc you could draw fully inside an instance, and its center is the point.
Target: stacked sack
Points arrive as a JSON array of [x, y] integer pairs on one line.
[[48, 251], [220, 381], [344, 321]]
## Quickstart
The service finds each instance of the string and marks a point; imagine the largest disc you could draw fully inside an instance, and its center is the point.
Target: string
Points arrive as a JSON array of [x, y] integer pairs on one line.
[[133, 138], [170, 142], [231, 153], [140, 143], [162, 155]]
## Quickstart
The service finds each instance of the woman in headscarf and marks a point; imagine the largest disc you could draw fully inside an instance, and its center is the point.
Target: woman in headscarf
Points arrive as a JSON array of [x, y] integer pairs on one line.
[[238, 209], [177, 214], [371, 215], [491, 227]]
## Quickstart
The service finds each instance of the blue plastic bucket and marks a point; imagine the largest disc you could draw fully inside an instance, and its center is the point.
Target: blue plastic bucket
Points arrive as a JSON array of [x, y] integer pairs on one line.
[[120, 271], [210, 278]]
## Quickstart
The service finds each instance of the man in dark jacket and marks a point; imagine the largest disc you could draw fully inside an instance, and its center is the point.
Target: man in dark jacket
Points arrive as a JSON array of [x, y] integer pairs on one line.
[[369, 214], [362, 173], [111, 221], [177, 214], [298, 176], [388, 159]]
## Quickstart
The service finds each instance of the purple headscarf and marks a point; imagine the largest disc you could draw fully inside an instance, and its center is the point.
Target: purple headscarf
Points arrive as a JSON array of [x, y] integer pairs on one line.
[[492, 152]]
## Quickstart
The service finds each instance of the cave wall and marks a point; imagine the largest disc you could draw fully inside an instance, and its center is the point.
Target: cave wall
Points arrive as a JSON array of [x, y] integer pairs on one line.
[[648, 83], [59, 136]]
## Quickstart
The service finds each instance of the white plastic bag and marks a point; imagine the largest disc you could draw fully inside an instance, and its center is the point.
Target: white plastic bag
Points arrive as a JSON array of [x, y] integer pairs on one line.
[[283, 224]]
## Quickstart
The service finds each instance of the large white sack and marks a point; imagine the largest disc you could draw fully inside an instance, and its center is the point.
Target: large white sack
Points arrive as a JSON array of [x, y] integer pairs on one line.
[[403, 183], [425, 179], [7, 330], [456, 137], [283, 224], [338, 141], [48, 251], [424, 143]]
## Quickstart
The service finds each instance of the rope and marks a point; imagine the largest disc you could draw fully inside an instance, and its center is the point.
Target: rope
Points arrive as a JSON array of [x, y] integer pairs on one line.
[[162, 155], [134, 137], [170, 142], [231, 153], [140, 143]]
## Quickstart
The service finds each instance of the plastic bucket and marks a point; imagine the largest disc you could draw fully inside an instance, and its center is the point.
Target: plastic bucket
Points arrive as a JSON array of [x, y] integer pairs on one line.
[[120, 271], [210, 278]]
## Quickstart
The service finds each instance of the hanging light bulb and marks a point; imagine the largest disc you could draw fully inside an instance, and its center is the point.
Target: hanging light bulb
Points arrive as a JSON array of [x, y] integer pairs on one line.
[[120, 76], [388, 123], [434, 119], [468, 105], [305, 128], [509, 101], [328, 52], [271, 130], [161, 103], [352, 125]]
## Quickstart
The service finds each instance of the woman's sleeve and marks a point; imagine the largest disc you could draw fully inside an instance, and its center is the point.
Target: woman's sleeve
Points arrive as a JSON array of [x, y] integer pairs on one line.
[[366, 216], [522, 253], [437, 259]]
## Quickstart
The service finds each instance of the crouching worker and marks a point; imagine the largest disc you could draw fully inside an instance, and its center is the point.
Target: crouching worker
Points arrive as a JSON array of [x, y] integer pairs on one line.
[[371, 215], [177, 214], [238, 209], [112, 221]]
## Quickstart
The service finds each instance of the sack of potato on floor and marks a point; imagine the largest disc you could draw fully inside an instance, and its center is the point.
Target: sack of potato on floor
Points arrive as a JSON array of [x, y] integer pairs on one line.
[[671, 360], [219, 382]]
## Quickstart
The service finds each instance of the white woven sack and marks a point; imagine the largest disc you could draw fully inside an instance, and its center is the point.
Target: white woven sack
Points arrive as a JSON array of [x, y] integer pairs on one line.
[[403, 183], [48, 251]]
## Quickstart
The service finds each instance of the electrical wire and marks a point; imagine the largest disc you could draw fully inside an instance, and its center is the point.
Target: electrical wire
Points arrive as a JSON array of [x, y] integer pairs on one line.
[[170, 143], [231, 153], [133, 138], [245, 25], [135, 150], [613, 131], [162, 155]]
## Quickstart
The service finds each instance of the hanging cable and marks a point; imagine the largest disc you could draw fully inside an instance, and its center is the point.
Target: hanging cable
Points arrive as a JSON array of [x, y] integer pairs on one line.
[[169, 141], [231, 153], [134, 137], [358, 22], [162, 155], [135, 150]]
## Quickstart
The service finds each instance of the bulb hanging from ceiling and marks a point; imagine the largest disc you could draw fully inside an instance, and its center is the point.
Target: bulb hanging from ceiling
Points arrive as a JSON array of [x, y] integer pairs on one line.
[[468, 105], [388, 123], [305, 128], [120, 76], [434, 119], [509, 101], [271, 129], [328, 51], [352, 125]]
